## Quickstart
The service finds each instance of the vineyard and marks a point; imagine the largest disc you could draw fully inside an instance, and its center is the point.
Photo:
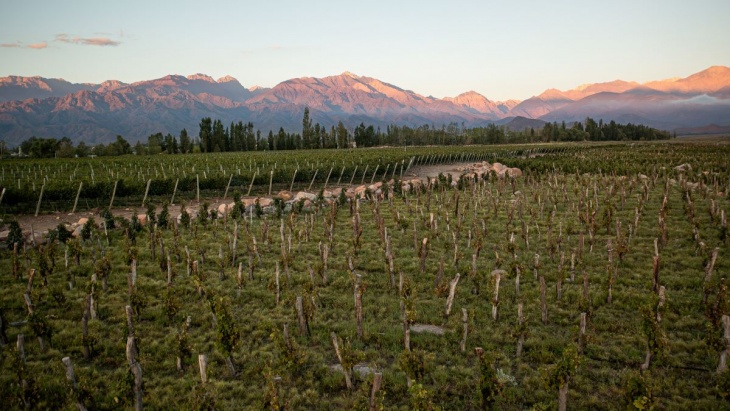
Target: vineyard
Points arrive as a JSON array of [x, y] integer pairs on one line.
[[82, 184], [595, 280]]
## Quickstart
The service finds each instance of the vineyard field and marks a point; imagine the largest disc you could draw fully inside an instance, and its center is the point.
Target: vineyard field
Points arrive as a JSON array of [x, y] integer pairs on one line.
[[597, 279]]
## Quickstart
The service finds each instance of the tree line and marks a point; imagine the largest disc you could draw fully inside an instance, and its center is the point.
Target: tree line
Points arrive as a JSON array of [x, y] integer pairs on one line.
[[214, 136]]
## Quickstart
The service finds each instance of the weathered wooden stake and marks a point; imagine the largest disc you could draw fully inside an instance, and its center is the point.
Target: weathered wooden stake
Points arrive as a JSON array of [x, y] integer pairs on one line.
[[291, 186], [174, 191], [146, 191], [114, 193], [722, 366], [353, 175], [313, 177], [377, 382], [248, 193], [341, 173], [130, 315], [563, 396], [452, 291], [346, 372], [136, 370], [71, 377], [372, 179], [660, 304], [40, 197], [497, 276], [303, 325], [20, 345], [328, 178], [225, 193], [78, 193], [203, 364]]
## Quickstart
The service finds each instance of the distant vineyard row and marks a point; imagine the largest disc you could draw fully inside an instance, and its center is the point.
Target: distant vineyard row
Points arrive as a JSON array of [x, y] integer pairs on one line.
[[94, 180], [97, 179]]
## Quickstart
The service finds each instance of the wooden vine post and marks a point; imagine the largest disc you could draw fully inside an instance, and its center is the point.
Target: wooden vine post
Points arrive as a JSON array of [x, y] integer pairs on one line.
[[40, 197], [114, 193], [303, 325], [136, 370], [377, 383], [496, 276], [203, 365], [722, 366], [76, 201], [71, 377], [452, 292], [345, 369]]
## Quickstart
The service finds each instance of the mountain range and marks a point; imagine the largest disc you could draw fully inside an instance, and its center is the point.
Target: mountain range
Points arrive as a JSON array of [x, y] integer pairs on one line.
[[94, 113]]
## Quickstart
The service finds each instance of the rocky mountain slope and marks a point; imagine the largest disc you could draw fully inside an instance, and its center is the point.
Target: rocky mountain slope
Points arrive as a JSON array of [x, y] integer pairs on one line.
[[35, 106]]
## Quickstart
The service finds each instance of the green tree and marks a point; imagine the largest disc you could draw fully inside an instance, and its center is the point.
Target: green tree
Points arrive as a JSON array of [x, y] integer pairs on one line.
[[206, 135], [185, 146], [154, 143], [82, 150], [307, 130]]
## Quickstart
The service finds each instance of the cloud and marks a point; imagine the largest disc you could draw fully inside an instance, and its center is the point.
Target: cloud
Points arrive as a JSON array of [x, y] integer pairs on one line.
[[100, 41], [87, 41], [18, 44]]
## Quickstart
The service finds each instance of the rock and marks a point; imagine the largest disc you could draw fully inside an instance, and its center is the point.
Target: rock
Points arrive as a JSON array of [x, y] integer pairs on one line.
[[265, 202], [82, 221], [4, 235], [499, 168], [77, 232], [360, 190], [142, 218], [683, 167], [336, 191], [327, 194], [427, 329], [306, 196], [361, 369], [375, 187], [223, 209], [285, 195], [514, 172]]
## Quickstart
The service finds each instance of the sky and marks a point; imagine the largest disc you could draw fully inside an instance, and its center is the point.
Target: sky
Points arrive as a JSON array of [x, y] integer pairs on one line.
[[500, 49]]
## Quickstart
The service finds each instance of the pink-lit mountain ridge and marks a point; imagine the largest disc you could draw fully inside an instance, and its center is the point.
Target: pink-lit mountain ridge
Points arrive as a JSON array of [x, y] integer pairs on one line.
[[98, 112]]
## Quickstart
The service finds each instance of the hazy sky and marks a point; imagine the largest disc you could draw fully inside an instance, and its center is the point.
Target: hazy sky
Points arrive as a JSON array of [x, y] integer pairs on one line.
[[501, 49]]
